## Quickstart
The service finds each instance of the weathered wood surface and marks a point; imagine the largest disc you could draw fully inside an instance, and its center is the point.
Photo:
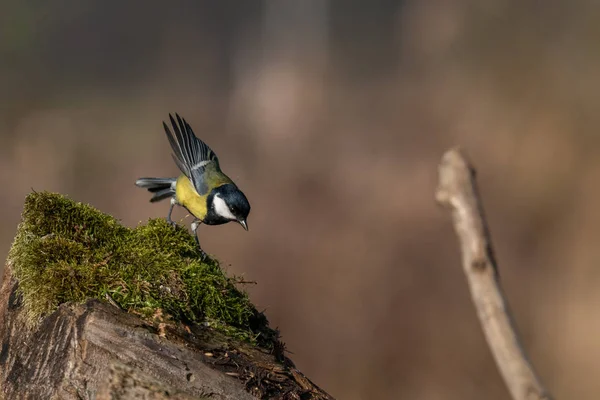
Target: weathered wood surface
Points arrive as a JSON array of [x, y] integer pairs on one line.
[[97, 351]]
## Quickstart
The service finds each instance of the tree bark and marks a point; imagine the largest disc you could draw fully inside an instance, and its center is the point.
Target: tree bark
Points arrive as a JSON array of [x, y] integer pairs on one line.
[[97, 351]]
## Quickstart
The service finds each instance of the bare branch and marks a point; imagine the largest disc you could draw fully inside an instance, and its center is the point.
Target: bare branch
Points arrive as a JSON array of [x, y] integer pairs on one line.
[[457, 190]]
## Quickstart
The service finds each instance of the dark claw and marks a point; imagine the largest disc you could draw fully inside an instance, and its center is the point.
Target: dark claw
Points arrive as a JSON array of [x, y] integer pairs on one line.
[[172, 223]]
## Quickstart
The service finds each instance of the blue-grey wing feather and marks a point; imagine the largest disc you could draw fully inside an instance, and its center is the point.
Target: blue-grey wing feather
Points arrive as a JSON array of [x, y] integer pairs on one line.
[[178, 153], [191, 154]]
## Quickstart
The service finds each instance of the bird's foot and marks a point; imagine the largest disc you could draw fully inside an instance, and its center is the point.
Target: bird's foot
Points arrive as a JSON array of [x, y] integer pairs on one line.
[[171, 222]]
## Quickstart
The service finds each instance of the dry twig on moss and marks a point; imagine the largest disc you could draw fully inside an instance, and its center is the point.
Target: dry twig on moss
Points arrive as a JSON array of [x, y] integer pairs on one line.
[[457, 190]]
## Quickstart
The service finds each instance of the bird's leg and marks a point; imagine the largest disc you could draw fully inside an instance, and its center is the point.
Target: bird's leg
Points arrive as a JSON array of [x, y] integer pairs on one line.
[[194, 227], [169, 220]]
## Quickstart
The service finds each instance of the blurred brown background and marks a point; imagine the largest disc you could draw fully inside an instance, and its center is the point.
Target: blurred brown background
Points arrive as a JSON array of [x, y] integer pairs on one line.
[[332, 117]]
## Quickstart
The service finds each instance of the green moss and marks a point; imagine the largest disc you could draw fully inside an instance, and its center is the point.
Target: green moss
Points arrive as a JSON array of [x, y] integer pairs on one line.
[[67, 251]]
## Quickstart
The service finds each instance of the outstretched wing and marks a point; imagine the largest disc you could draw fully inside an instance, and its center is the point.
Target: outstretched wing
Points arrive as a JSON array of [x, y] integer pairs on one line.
[[191, 154]]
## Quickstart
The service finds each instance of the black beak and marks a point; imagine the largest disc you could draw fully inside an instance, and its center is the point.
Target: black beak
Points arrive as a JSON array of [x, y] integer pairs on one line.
[[243, 223]]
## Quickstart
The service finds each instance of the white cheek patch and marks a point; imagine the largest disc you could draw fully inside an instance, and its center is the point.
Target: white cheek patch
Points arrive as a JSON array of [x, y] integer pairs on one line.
[[221, 208]]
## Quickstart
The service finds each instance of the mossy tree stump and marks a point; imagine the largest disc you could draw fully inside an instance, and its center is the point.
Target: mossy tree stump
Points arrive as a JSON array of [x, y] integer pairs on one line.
[[90, 309]]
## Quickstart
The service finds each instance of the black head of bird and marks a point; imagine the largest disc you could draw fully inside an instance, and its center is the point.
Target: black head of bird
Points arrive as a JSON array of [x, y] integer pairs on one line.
[[228, 203]]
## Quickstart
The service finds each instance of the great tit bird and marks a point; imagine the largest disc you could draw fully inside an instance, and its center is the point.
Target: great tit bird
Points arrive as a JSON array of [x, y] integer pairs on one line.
[[202, 188]]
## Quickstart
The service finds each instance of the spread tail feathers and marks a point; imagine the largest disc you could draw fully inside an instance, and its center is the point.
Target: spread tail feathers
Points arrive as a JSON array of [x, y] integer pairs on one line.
[[161, 187]]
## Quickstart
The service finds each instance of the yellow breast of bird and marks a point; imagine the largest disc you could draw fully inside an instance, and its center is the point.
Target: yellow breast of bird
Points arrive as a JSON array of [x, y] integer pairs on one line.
[[188, 197]]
